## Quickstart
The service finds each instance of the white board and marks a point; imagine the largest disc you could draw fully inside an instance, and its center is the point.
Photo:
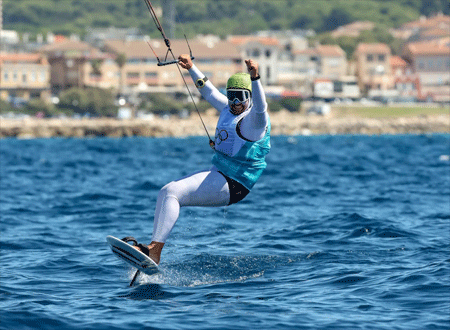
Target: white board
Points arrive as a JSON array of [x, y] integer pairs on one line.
[[132, 256]]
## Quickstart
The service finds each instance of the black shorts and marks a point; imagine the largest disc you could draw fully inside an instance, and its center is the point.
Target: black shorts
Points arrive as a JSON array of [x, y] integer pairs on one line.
[[237, 190]]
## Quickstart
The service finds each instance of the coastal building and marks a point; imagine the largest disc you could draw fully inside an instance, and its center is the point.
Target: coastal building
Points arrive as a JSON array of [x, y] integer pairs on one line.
[[265, 50], [425, 28], [331, 61], [217, 59], [24, 75], [299, 69], [70, 62], [430, 61], [97, 36], [406, 83], [373, 67]]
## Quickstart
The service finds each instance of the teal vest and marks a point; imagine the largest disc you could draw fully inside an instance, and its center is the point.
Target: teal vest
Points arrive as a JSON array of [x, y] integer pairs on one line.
[[237, 158]]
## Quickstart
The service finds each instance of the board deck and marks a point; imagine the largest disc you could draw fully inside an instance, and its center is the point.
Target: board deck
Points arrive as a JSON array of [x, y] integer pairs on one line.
[[131, 256]]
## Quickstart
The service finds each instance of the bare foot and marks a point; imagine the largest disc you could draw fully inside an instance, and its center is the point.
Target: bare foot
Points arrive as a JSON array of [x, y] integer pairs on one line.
[[155, 249]]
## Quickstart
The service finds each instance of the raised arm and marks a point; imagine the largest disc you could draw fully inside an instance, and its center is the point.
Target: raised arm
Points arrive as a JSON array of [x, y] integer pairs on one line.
[[253, 126], [206, 88]]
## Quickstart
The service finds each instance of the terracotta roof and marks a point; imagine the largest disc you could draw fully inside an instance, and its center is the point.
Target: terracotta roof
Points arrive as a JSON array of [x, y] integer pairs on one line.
[[241, 40], [318, 80], [141, 49], [330, 50], [434, 47], [430, 22], [397, 61], [373, 48], [68, 46], [436, 32], [23, 58]]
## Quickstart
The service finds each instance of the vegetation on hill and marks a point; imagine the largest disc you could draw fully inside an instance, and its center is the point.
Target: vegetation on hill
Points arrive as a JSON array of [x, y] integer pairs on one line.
[[220, 17]]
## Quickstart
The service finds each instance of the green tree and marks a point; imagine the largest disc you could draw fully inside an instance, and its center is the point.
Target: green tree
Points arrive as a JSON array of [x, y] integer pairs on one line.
[[92, 101], [121, 59], [96, 65], [336, 18], [35, 106], [430, 7], [5, 107]]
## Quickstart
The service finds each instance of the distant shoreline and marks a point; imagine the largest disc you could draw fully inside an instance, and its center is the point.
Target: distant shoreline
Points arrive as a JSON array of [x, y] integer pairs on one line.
[[283, 123]]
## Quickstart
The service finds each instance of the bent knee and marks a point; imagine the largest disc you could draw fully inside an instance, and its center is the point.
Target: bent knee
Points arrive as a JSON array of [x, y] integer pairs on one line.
[[171, 189]]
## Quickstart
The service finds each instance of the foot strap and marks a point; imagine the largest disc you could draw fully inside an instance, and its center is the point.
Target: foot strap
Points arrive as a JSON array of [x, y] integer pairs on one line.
[[130, 239], [145, 250]]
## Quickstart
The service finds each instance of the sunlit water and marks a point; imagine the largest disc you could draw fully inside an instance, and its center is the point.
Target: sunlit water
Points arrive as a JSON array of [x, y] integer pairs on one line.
[[341, 232]]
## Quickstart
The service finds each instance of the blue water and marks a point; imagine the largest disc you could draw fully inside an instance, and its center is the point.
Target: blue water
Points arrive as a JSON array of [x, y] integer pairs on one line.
[[341, 232]]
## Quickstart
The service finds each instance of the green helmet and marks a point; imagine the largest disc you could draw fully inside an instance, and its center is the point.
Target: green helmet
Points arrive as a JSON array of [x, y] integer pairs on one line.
[[240, 81]]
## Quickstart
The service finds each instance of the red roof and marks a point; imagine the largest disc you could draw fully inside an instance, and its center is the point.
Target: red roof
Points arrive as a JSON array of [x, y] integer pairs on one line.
[[330, 50], [435, 47], [397, 61], [373, 48], [23, 58], [241, 40]]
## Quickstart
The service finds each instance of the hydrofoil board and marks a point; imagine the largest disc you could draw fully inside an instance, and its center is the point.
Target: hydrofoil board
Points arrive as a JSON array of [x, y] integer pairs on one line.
[[132, 256]]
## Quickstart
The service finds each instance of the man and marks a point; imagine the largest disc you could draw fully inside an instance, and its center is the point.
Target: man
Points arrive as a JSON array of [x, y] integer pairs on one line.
[[242, 140]]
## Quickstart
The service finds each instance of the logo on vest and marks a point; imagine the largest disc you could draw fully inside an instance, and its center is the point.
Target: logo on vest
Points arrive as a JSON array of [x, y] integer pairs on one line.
[[221, 136]]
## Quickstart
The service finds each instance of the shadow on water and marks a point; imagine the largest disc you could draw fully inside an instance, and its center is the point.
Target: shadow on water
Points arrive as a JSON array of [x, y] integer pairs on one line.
[[148, 291]]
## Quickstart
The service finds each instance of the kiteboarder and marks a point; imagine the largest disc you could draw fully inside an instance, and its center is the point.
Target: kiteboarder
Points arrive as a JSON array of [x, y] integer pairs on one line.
[[242, 140]]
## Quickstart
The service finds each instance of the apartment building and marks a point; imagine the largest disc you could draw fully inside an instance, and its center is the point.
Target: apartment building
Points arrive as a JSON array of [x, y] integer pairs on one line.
[[430, 61], [406, 83], [331, 61], [265, 50], [373, 67], [70, 62], [218, 60], [24, 75], [428, 28]]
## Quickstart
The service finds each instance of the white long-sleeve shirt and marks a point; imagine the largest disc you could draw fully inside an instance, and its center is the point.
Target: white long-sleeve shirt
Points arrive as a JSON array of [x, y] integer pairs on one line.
[[253, 125]]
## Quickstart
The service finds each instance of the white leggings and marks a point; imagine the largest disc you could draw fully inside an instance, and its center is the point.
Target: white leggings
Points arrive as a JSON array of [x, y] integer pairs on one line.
[[204, 188]]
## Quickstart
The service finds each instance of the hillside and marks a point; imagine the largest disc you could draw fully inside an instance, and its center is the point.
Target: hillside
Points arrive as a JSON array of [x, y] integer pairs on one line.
[[220, 17]]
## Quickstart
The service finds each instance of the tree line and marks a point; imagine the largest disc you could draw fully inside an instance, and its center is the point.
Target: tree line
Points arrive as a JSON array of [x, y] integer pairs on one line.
[[221, 17]]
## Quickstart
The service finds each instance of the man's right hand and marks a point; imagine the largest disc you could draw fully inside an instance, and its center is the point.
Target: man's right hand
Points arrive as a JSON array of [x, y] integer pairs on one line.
[[185, 61]]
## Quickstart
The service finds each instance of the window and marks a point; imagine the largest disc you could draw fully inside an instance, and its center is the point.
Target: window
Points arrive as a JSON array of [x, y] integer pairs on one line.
[[132, 74], [338, 86], [133, 61], [24, 78], [432, 65], [421, 65], [150, 75], [268, 53], [268, 72], [370, 58], [255, 52], [6, 75], [334, 62], [15, 76], [381, 58]]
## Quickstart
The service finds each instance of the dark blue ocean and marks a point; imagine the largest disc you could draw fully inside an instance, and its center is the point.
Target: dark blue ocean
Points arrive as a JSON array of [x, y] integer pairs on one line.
[[341, 232]]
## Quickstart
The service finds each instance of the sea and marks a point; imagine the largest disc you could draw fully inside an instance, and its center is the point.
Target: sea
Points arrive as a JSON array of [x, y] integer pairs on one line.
[[340, 232]]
